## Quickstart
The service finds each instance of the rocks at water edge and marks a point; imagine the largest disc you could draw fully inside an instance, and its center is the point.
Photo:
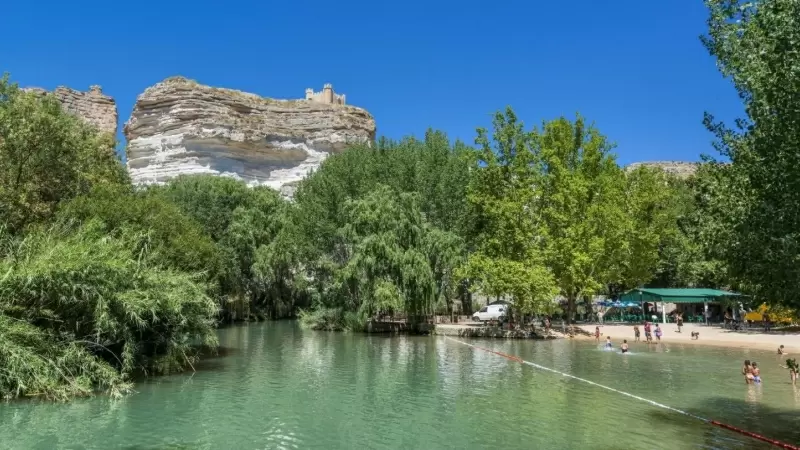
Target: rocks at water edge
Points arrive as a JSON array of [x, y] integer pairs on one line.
[[179, 126], [92, 106]]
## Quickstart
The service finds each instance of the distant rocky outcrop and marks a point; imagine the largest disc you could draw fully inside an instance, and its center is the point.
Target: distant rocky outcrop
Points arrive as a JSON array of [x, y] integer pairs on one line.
[[93, 106], [680, 169], [180, 127]]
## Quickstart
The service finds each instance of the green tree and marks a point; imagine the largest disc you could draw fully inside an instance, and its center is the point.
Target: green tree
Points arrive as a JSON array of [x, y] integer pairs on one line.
[[99, 307], [505, 194], [388, 259], [756, 46], [586, 238], [254, 231], [47, 156], [655, 203]]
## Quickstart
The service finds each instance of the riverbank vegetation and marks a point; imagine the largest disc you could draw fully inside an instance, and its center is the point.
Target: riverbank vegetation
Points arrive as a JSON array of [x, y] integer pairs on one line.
[[101, 281]]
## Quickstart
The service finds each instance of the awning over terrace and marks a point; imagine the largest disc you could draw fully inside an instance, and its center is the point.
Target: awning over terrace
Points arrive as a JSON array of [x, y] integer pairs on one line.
[[688, 295]]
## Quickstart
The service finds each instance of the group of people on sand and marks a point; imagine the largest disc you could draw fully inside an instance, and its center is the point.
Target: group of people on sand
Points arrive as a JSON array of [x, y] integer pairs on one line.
[[637, 334], [752, 374], [648, 333]]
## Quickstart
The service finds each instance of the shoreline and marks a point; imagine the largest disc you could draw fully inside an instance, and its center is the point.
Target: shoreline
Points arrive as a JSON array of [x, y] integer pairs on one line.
[[709, 337]]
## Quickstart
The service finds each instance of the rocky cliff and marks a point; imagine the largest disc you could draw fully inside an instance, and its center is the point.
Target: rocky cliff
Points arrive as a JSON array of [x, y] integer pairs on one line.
[[180, 127], [681, 169], [93, 106]]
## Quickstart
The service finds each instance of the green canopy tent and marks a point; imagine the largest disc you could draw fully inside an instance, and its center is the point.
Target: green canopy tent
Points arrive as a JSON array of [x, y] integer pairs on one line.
[[672, 295]]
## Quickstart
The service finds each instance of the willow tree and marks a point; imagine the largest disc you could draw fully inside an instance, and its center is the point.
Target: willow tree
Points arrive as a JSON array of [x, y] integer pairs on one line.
[[756, 46], [88, 309], [388, 259]]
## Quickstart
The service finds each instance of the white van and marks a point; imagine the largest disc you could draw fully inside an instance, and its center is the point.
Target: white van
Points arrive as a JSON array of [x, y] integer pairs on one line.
[[490, 312]]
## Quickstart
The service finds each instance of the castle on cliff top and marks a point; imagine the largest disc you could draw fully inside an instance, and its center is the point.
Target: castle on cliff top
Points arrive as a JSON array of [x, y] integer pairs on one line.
[[325, 96]]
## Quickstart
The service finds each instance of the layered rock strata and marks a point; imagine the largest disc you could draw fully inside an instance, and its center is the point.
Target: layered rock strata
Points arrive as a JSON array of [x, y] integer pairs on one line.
[[180, 127], [680, 169], [92, 106]]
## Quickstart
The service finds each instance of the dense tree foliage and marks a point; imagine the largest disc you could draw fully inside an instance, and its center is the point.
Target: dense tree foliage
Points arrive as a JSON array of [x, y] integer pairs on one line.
[[400, 206], [256, 245], [757, 197], [104, 281], [99, 283], [557, 215], [47, 156]]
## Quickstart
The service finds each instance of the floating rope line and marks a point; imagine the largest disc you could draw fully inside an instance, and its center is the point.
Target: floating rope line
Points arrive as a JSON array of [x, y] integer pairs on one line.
[[628, 394]]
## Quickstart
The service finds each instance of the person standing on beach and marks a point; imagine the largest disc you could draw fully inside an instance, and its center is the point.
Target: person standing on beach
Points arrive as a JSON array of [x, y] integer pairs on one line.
[[658, 333], [636, 333], [648, 336], [679, 321], [597, 334]]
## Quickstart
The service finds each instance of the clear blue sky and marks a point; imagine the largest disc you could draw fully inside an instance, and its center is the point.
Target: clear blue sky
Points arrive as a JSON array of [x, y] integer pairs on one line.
[[636, 68]]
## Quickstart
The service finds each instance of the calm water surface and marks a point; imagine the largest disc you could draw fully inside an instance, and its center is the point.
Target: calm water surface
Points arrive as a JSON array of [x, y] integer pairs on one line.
[[281, 387]]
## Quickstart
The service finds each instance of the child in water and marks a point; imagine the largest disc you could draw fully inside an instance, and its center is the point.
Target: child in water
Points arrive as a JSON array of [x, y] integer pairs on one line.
[[636, 333], [624, 346], [608, 342], [791, 364], [756, 373], [658, 333], [781, 351]]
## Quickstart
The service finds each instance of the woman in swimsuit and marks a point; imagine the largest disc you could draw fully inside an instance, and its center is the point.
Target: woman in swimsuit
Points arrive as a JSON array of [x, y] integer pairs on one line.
[[747, 371], [756, 373], [624, 346]]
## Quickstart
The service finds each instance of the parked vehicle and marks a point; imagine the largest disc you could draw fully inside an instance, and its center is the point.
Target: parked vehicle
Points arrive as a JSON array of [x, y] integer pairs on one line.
[[490, 312]]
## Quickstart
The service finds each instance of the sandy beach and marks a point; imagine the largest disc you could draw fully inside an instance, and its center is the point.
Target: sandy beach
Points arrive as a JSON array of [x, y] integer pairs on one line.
[[709, 335]]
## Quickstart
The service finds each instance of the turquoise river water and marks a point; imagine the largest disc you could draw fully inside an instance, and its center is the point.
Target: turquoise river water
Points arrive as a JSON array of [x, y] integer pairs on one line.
[[281, 387]]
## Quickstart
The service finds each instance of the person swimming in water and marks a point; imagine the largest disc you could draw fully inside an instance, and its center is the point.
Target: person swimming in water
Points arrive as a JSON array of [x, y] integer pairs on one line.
[[781, 351], [608, 342], [747, 371], [756, 373], [624, 346]]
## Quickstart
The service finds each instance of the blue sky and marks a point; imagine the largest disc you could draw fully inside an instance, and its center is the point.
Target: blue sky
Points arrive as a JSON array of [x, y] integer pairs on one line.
[[635, 68]]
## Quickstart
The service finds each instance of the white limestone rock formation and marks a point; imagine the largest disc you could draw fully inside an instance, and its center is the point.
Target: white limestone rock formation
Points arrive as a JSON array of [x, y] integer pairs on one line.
[[92, 106], [181, 127], [681, 169]]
